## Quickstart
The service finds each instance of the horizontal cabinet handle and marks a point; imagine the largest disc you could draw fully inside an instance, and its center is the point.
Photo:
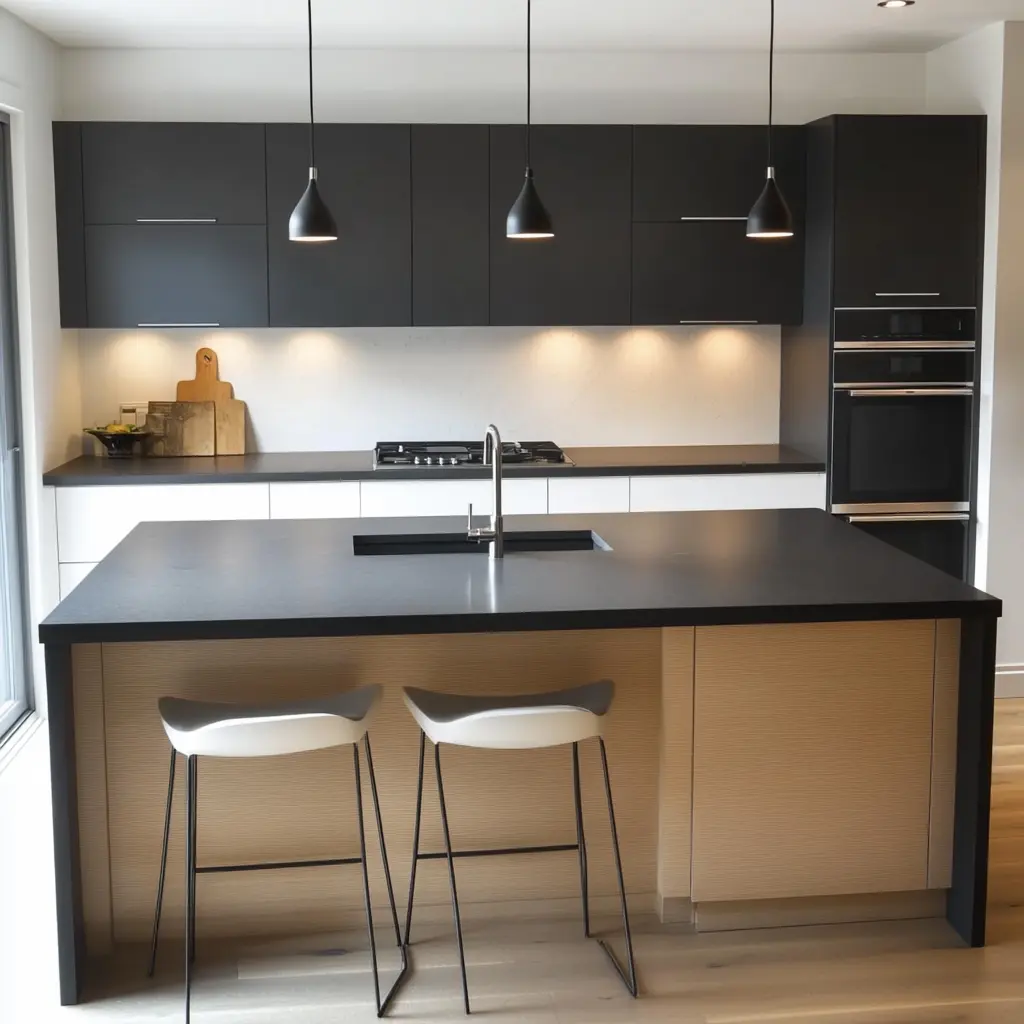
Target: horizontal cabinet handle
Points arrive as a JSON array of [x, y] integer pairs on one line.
[[178, 325], [909, 392], [711, 218], [907, 295], [919, 517], [175, 220], [697, 322]]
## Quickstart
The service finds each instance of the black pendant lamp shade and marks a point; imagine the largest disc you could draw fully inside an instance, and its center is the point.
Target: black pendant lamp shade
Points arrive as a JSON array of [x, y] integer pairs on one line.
[[770, 217], [311, 221], [528, 217]]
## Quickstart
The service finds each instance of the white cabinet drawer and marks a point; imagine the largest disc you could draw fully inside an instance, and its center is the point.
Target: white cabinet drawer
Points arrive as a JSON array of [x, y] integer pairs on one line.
[[328, 499], [588, 494], [92, 520], [702, 492], [71, 574], [451, 497]]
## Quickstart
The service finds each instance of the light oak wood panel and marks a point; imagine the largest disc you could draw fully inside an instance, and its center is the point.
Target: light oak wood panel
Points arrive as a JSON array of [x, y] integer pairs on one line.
[[812, 756], [675, 775], [87, 666], [303, 806], [946, 694]]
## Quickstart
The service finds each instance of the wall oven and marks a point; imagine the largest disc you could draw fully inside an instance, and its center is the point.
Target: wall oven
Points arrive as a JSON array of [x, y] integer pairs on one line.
[[902, 426]]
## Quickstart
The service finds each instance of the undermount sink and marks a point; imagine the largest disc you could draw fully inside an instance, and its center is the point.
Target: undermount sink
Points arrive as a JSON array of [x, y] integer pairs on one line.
[[516, 541]]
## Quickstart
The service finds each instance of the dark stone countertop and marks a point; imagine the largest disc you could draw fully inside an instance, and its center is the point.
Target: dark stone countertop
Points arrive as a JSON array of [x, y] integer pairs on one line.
[[276, 467], [181, 581]]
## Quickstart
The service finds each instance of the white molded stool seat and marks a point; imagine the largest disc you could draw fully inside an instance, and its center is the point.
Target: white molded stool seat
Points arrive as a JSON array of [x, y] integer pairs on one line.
[[512, 723], [260, 730]]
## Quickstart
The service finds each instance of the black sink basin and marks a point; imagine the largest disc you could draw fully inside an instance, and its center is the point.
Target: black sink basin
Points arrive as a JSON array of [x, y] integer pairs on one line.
[[516, 541]]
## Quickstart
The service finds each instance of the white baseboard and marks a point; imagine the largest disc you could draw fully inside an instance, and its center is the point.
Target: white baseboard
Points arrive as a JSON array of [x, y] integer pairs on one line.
[[1010, 680]]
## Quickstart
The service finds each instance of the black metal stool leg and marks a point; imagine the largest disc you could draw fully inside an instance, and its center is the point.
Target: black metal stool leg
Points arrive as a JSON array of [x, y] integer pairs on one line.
[[581, 840], [190, 863], [415, 840], [451, 875], [630, 978], [383, 1006], [195, 851], [366, 878], [163, 865]]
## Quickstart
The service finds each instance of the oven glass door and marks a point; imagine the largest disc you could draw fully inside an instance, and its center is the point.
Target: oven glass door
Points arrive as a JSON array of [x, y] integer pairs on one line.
[[908, 446], [940, 542]]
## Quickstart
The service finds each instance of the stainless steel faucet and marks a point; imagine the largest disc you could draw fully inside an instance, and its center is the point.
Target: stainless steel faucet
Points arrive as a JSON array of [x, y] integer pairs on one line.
[[496, 532]]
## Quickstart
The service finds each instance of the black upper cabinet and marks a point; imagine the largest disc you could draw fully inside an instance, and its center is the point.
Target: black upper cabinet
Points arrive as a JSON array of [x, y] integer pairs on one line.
[[713, 171], [450, 214], [581, 276], [709, 271], [179, 275], [364, 278], [173, 172], [67, 181], [907, 210]]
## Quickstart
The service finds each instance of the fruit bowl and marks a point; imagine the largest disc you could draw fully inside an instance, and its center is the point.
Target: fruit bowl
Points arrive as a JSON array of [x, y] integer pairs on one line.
[[120, 444]]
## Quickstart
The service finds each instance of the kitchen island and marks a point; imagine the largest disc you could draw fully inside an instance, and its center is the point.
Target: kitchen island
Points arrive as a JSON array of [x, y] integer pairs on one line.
[[802, 724]]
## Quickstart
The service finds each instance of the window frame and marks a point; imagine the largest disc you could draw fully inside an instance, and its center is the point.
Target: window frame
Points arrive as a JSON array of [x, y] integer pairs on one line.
[[14, 617]]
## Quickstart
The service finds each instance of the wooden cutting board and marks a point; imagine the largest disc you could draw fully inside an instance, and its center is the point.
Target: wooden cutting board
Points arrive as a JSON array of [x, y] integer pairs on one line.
[[181, 428], [230, 412]]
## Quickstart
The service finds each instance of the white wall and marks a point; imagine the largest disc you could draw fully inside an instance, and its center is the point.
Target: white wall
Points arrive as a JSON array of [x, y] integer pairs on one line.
[[984, 73], [485, 86], [347, 389]]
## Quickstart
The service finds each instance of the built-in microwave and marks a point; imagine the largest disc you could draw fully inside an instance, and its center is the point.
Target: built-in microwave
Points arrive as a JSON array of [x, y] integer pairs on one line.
[[934, 328]]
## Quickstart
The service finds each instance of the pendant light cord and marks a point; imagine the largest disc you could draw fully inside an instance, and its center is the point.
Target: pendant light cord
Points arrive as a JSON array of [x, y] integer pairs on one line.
[[312, 143], [771, 82], [529, 76]]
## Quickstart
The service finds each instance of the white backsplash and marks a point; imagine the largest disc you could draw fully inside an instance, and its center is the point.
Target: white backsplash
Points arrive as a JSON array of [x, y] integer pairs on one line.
[[330, 390]]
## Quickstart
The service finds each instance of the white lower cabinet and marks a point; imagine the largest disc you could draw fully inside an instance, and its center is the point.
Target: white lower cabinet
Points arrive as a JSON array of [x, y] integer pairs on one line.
[[329, 499], [705, 492], [71, 574], [93, 520], [588, 494], [383, 498]]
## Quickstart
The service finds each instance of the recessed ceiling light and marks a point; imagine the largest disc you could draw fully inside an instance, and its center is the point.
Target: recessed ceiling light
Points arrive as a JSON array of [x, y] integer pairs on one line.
[[897, 3]]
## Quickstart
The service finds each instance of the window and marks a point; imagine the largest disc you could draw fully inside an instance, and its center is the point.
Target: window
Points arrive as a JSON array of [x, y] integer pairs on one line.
[[14, 682]]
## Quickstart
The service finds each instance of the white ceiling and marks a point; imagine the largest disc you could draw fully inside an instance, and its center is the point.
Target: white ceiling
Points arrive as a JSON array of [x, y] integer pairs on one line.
[[558, 24]]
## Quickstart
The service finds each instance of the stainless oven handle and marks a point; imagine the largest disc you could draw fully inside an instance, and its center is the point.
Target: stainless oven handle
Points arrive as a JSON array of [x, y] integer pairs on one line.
[[908, 392], [905, 346], [920, 517]]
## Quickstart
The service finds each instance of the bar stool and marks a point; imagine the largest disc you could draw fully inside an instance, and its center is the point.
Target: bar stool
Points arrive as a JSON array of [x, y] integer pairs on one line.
[[199, 728], [520, 723]]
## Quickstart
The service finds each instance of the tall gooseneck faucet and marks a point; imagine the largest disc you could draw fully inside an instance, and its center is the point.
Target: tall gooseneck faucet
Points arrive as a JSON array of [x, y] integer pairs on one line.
[[495, 533]]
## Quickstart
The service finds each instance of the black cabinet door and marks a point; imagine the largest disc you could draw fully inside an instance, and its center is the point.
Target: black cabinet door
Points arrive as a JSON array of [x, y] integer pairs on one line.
[[67, 182], [581, 276], [450, 213], [137, 171], [907, 210], [176, 275], [717, 171], [364, 278], [709, 271]]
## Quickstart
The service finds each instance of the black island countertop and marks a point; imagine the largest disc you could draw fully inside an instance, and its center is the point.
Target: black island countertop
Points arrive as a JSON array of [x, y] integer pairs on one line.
[[280, 467], [180, 581]]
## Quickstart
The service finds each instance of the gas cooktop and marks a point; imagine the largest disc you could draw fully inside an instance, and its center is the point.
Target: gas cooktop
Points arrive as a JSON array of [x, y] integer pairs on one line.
[[463, 453]]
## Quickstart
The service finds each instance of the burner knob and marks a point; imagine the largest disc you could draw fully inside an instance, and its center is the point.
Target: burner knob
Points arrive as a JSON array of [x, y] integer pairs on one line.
[[416, 460], [429, 461]]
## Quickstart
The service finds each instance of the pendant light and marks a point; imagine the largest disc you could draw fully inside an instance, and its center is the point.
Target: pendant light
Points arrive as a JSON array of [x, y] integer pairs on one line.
[[311, 221], [770, 217], [528, 218]]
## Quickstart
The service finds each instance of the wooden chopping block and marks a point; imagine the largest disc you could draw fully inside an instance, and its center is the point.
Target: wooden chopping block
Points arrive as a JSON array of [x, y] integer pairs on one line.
[[181, 428], [230, 412]]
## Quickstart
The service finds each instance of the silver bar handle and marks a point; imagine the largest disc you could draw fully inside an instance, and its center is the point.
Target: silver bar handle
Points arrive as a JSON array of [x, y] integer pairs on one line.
[[179, 325], [175, 220], [712, 322], [919, 517], [712, 219], [907, 295], [908, 392], [469, 518]]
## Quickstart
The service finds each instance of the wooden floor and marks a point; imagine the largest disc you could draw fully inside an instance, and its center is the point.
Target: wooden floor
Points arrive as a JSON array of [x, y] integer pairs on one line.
[[545, 973]]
